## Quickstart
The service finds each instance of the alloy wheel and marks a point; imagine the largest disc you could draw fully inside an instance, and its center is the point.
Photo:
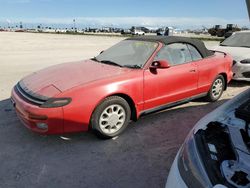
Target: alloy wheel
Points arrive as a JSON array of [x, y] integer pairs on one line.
[[112, 119]]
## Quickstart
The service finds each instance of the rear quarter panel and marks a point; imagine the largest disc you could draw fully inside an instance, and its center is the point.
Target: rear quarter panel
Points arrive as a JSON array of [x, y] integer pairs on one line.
[[209, 68]]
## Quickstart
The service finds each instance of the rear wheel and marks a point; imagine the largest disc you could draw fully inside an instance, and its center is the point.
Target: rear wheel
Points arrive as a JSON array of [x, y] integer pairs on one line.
[[111, 117], [216, 89]]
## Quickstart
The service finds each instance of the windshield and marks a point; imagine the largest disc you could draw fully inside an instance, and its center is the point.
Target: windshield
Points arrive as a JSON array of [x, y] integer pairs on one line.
[[237, 40], [128, 53]]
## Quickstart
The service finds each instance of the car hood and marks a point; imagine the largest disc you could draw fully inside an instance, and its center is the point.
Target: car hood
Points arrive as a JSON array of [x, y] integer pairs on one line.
[[238, 53], [59, 78]]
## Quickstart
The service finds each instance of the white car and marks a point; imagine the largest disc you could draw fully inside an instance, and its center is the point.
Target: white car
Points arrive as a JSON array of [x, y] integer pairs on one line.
[[238, 45], [138, 32], [216, 152]]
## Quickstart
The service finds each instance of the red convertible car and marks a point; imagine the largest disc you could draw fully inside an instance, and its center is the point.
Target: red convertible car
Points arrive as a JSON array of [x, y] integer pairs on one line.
[[137, 76]]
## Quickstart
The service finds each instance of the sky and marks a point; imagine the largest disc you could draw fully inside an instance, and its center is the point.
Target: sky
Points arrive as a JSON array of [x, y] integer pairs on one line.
[[120, 13]]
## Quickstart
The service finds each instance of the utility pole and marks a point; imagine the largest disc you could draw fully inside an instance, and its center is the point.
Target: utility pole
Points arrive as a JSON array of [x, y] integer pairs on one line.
[[8, 22], [21, 25], [74, 25], [248, 7]]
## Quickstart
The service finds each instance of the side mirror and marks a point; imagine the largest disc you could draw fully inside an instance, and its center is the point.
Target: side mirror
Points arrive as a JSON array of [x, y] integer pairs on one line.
[[160, 64], [101, 51]]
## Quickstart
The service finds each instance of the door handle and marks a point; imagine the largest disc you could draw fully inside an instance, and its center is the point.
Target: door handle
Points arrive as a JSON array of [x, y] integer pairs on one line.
[[192, 70]]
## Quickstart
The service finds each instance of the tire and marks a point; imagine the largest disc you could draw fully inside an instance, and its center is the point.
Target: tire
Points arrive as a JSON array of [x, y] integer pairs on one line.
[[216, 89], [111, 117]]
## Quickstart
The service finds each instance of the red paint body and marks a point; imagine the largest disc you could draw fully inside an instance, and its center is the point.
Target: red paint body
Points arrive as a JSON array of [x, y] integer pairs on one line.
[[87, 83]]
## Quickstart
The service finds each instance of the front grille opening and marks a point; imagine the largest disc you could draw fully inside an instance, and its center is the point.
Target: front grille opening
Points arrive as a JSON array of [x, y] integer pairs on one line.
[[246, 74]]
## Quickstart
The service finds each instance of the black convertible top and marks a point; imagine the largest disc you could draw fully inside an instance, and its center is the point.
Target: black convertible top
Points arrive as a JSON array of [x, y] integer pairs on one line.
[[198, 44]]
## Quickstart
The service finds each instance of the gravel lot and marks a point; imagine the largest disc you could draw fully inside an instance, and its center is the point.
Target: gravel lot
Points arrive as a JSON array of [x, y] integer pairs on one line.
[[141, 157]]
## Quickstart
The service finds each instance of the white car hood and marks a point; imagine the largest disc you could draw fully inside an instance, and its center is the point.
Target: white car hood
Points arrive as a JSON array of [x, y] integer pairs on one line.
[[238, 53]]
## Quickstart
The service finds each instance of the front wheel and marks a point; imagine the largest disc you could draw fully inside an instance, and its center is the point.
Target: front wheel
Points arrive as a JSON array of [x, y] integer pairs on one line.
[[216, 89], [111, 117]]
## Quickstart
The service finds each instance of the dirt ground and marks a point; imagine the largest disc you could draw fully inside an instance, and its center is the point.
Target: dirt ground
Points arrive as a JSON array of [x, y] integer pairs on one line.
[[141, 157]]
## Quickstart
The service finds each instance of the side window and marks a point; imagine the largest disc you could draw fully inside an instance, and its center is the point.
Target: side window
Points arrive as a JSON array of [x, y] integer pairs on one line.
[[164, 54], [175, 54], [194, 53]]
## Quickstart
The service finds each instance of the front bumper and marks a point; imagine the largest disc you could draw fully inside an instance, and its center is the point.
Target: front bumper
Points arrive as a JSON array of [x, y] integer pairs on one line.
[[174, 178], [31, 115], [241, 72]]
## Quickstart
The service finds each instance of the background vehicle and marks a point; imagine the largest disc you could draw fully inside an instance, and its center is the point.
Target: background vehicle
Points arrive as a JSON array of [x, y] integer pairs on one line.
[[218, 31], [126, 32], [204, 30], [216, 151], [238, 45], [213, 31], [137, 76], [137, 31], [167, 31]]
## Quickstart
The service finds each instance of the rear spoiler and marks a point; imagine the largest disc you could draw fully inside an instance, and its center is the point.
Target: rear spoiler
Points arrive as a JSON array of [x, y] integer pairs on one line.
[[225, 54]]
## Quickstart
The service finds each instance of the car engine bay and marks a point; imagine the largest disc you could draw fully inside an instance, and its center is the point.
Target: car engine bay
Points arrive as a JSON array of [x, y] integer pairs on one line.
[[224, 147]]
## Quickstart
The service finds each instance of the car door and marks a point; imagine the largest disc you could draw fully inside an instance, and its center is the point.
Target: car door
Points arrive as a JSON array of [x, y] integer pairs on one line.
[[172, 84], [206, 70]]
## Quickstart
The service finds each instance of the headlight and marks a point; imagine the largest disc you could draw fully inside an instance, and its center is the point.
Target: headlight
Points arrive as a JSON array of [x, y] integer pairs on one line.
[[189, 165], [56, 102], [245, 61]]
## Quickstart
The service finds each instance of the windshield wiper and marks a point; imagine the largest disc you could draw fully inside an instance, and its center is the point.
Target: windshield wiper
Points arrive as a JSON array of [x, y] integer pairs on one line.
[[110, 63], [133, 66]]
